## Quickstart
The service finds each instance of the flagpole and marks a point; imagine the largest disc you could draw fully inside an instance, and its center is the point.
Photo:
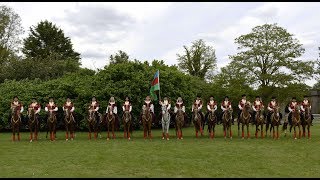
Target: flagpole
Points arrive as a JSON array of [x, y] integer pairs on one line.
[[159, 84]]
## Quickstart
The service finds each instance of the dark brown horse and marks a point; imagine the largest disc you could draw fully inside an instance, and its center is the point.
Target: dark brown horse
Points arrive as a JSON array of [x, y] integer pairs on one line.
[[52, 123], [197, 121], [111, 119], [306, 122], [15, 123], [69, 123], [179, 122], [296, 121], [92, 124], [275, 123], [244, 119], [259, 122], [33, 124], [147, 122], [227, 122], [212, 120], [127, 123]]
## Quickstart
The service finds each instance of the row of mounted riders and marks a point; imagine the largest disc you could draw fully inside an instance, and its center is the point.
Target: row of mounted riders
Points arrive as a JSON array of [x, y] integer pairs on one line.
[[178, 118]]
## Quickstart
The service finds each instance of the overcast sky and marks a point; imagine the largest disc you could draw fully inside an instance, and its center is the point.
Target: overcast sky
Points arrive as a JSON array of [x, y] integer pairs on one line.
[[158, 30]]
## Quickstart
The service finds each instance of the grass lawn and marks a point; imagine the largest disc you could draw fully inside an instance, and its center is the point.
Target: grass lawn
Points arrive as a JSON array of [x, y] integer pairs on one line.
[[190, 157]]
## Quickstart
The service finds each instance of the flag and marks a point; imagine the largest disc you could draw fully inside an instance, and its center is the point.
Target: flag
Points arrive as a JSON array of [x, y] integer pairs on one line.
[[155, 85]]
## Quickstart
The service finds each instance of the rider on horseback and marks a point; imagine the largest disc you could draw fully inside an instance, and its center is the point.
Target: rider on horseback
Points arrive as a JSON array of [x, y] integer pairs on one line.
[[36, 107], [211, 106], [51, 106], [127, 106], [271, 106], [149, 104], [68, 105], [16, 104], [241, 104], [306, 103], [95, 106], [180, 105], [198, 104], [226, 104], [113, 108], [291, 108], [257, 105], [166, 102]]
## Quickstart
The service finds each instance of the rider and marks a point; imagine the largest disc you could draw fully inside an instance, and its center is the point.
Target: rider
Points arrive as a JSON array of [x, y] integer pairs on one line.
[[149, 104], [112, 106], [166, 102], [68, 105], [226, 104], [16, 104], [211, 106], [271, 106], [198, 103], [241, 104], [127, 106], [257, 105], [36, 107], [180, 105], [95, 106], [291, 108], [306, 103], [51, 106]]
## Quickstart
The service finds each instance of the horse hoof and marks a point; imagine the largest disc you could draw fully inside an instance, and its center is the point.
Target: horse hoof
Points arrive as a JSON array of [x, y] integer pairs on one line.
[[71, 139], [230, 137], [181, 137], [167, 139], [67, 139], [162, 137], [295, 138], [129, 138], [107, 139], [31, 140]]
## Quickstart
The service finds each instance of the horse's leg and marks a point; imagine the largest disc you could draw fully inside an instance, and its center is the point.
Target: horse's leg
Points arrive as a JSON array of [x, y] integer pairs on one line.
[[31, 132], [248, 132], [224, 130], [230, 131], [238, 127], [149, 130], [273, 132], [294, 130], [125, 127], [113, 126], [262, 131], [242, 130], [299, 126], [257, 126], [108, 130], [267, 128], [163, 127], [303, 130], [309, 133], [167, 130], [278, 131]]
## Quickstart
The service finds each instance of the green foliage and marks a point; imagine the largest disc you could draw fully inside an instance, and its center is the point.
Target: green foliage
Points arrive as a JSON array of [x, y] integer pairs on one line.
[[120, 57], [199, 60]]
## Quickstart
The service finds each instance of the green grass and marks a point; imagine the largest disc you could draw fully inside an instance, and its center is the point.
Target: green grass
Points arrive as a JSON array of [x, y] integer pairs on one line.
[[189, 157]]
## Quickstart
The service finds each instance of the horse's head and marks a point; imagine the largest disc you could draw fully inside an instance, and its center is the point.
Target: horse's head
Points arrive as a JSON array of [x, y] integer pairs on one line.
[[247, 106], [163, 109], [31, 112], [14, 110]]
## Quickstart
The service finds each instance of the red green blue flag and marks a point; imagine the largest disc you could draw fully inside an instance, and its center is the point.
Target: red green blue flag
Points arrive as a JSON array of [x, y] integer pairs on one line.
[[155, 85]]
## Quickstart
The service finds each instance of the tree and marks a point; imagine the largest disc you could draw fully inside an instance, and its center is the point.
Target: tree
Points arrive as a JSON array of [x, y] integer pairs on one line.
[[269, 58], [198, 60], [120, 57], [10, 29], [48, 52]]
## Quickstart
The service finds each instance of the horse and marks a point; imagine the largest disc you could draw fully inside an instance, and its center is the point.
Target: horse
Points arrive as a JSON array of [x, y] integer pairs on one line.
[[165, 121], [33, 124], [147, 121], [69, 122], [127, 123], [179, 122], [227, 122], [197, 121], [244, 119], [259, 122], [306, 122], [296, 121], [15, 123], [111, 118], [92, 124], [275, 122], [51, 123], [212, 119]]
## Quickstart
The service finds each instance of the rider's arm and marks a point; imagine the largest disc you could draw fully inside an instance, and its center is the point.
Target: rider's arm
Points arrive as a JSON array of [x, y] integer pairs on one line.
[[97, 108], [46, 109], [169, 106], [290, 109], [200, 106], [56, 109], [130, 108], [115, 111], [270, 109], [38, 110], [152, 108], [107, 110], [254, 108], [302, 107], [183, 108], [21, 110], [208, 107], [72, 109], [123, 108], [215, 107], [175, 109], [223, 109], [192, 108], [239, 105]]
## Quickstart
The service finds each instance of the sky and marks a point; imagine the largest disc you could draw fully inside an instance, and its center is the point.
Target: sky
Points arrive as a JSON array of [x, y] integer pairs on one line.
[[159, 30]]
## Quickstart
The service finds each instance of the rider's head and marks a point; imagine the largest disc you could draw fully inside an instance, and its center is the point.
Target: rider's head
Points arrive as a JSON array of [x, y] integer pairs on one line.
[[305, 97], [15, 98], [243, 96], [257, 98], [273, 98], [226, 98], [34, 100], [211, 98], [50, 99], [294, 99], [94, 98], [68, 99]]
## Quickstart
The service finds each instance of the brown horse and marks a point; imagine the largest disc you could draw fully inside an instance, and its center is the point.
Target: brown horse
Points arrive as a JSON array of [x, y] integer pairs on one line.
[[33, 124], [227, 122], [111, 118], [244, 119], [197, 121], [212, 119], [296, 121], [15, 123], [69, 122], [179, 122], [127, 123], [306, 122], [92, 124], [51, 123], [259, 122], [147, 122], [275, 122]]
